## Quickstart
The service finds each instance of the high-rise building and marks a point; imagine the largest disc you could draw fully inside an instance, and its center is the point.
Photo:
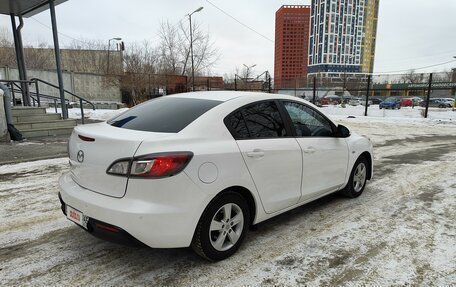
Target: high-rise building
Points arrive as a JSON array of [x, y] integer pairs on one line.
[[342, 36], [291, 44], [370, 36]]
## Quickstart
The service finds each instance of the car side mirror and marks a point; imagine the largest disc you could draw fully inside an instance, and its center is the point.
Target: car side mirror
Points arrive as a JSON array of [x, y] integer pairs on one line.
[[342, 131]]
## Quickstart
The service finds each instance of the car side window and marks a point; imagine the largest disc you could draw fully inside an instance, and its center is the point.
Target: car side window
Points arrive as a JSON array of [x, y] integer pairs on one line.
[[255, 121], [307, 122], [238, 126]]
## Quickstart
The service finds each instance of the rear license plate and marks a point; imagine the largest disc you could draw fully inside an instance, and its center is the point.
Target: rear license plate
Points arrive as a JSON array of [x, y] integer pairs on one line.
[[76, 216]]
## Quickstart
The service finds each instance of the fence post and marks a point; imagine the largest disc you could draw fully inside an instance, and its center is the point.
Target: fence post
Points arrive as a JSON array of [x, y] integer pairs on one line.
[[295, 87], [82, 110], [428, 96], [37, 93], [314, 90], [235, 83], [13, 96], [369, 80]]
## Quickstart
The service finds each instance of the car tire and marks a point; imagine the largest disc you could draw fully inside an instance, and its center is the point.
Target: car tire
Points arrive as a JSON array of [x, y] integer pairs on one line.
[[218, 234], [358, 179], [441, 106]]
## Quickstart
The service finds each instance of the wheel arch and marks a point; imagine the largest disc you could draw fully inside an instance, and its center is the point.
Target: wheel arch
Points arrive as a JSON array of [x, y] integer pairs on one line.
[[368, 158], [242, 191], [247, 195]]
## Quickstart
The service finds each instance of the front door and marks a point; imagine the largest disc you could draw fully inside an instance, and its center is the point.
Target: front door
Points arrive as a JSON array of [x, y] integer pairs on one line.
[[325, 157]]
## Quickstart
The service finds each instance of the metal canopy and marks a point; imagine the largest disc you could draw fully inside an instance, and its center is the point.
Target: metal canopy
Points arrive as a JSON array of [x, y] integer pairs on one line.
[[26, 8]]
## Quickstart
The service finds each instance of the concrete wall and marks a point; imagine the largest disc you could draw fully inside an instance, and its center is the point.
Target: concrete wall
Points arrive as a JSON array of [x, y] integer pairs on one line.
[[3, 126], [92, 87], [76, 60]]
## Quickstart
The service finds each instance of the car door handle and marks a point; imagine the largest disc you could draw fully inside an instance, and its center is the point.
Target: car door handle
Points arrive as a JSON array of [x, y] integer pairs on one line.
[[257, 153], [309, 150]]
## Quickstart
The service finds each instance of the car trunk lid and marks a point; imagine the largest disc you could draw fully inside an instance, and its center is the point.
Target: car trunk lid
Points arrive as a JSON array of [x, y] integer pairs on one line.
[[93, 148]]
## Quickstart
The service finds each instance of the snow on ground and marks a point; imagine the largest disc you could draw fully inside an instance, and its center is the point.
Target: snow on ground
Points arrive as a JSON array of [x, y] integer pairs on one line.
[[100, 114], [401, 231], [402, 114]]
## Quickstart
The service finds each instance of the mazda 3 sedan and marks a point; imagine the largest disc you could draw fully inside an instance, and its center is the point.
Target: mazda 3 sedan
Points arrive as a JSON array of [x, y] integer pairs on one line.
[[199, 169]]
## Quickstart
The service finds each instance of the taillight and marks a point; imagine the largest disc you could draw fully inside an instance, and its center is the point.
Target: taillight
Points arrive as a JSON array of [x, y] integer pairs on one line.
[[160, 165], [152, 166], [120, 167]]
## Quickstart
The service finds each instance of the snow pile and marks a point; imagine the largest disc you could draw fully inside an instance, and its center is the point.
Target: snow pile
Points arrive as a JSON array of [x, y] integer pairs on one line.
[[100, 115], [403, 114]]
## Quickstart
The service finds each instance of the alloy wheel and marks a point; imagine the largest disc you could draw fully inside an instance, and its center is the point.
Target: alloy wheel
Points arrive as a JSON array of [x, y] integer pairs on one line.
[[359, 178], [226, 227]]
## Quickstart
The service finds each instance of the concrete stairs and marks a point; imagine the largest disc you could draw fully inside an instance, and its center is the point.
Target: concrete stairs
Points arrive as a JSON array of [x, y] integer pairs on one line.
[[35, 122]]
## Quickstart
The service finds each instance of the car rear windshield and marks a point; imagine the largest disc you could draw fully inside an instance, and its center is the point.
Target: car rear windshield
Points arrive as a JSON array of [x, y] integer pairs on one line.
[[164, 115]]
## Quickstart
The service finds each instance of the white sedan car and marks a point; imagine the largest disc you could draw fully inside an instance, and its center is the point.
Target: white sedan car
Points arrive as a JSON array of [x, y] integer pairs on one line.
[[199, 169]]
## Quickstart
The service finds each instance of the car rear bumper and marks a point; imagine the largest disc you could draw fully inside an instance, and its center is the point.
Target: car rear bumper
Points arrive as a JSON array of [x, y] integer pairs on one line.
[[158, 217], [106, 231]]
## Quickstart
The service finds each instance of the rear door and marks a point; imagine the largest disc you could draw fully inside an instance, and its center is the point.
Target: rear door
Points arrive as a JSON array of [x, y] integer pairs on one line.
[[272, 155], [325, 157]]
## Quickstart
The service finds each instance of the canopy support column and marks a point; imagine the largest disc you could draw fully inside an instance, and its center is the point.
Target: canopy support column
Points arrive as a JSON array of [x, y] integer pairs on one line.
[[17, 35], [57, 59]]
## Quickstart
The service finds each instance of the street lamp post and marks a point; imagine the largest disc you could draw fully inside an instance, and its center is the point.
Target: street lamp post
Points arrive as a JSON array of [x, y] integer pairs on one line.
[[109, 48], [191, 45], [453, 79]]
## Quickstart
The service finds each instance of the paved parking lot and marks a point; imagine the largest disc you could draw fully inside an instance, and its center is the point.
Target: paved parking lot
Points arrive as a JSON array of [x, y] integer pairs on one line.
[[401, 231]]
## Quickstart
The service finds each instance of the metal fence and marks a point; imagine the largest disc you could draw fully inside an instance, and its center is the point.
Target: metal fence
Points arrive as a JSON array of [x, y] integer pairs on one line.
[[378, 95]]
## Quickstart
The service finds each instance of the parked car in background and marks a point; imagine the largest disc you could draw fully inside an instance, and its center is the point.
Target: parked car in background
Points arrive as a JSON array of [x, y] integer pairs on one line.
[[375, 100], [363, 101], [437, 103], [330, 100], [390, 103], [449, 100], [417, 100], [228, 161], [346, 99], [354, 101], [407, 102]]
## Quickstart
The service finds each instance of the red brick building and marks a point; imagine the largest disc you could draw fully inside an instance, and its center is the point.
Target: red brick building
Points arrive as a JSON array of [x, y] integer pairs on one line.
[[291, 45]]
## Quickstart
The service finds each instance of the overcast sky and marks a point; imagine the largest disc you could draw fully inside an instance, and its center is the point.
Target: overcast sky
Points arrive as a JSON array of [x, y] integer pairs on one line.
[[411, 33]]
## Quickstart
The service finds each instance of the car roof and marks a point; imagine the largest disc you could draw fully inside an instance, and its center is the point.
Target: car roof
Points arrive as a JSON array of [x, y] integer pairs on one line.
[[222, 96]]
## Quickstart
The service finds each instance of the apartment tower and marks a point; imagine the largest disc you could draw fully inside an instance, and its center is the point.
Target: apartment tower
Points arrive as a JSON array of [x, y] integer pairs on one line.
[[291, 45], [342, 36]]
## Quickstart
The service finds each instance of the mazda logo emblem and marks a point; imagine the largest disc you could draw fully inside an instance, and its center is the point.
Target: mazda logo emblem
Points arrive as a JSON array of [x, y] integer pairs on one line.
[[80, 156]]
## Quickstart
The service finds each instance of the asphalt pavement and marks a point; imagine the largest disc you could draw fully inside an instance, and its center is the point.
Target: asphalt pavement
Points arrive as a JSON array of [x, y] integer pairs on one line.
[[36, 148], [33, 149]]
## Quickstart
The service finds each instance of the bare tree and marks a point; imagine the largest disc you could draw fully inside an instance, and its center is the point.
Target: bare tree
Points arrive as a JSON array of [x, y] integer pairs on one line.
[[205, 54], [141, 65], [413, 78], [170, 48], [446, 76], [175, 49], [7, 55]]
